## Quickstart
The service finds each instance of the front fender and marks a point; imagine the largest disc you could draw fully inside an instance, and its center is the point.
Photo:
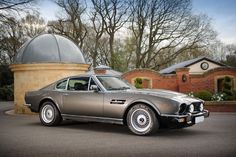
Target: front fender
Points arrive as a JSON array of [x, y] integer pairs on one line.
[[141, 101]]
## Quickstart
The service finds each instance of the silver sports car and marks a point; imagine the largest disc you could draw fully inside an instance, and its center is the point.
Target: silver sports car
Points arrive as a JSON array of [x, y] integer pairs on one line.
[[104, 98]]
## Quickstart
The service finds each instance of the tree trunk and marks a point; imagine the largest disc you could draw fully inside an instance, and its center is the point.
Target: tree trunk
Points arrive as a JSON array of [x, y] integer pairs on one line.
[[111, 44]]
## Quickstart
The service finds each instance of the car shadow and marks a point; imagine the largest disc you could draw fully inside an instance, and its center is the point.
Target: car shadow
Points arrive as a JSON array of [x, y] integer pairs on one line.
[[121, 129], [190, 131], [96, 127], [88, 126]]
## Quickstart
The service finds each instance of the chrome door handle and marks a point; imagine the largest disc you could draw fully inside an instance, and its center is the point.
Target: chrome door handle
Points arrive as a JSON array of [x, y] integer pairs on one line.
[[65, 94]]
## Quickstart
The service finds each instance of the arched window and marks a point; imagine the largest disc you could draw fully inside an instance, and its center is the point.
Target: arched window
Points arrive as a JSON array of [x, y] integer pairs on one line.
[[223, 82], [142, 82]]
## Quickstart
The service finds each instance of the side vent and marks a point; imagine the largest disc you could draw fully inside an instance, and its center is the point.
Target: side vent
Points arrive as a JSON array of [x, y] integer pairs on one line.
[[117, 101]]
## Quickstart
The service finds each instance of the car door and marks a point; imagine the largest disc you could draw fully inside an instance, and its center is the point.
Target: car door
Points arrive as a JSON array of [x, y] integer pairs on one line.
[[79, 100]]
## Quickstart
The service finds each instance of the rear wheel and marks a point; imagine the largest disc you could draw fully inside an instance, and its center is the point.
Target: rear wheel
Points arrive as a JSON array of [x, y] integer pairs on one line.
[[142, 120], [49, 114]]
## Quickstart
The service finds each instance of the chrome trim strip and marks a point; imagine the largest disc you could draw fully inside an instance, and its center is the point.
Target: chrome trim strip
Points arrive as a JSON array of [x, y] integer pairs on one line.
[[93, 119]]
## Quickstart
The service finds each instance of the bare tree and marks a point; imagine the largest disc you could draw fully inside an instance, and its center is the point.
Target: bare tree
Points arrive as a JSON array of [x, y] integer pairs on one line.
[[164, 29], [114, 15], [128, 55], [8, 7], [14, 32], [71, 25], [33, 25], [11, 38], [94, 37]]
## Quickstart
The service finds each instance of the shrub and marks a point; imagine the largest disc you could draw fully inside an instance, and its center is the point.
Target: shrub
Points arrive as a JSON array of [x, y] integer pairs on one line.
[[7, 93], [204, 95], [6, 76], [191, 94], [230, 98], [218, 97], [138, 83]]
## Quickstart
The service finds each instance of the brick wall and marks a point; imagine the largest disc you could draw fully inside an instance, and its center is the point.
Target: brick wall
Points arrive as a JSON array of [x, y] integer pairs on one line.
[[222, 106], [157, 80], [180, 83]]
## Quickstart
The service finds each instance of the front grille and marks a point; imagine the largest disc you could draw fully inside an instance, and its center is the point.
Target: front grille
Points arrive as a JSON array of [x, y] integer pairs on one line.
[[196, 106], [182, 108]]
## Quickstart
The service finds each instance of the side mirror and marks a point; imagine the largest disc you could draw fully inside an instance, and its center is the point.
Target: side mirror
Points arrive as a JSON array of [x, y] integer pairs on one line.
[[94, 88]]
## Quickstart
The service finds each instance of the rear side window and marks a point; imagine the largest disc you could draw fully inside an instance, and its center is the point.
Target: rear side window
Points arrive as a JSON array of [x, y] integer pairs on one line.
[[61, 85]]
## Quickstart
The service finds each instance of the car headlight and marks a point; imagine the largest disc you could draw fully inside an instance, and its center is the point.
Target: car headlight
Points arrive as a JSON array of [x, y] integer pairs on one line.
[[201, 107], [191, 108]]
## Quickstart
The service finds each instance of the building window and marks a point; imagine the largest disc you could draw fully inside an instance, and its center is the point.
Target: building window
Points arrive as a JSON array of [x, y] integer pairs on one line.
[[220, 83], [225, 83]]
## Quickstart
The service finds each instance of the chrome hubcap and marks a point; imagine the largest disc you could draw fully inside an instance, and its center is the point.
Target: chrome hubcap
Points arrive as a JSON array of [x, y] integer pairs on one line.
[[141, 120], [47, 113]]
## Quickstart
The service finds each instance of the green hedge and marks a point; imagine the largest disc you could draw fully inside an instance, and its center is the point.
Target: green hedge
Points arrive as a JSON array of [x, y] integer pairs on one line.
[[7, 93], [204, 95], [138, 83]]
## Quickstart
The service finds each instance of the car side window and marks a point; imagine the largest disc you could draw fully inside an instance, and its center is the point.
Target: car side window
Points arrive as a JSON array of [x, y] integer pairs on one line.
[[78, 84], [61, 85]]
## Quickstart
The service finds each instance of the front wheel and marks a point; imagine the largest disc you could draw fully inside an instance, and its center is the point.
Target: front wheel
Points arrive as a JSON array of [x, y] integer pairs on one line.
[[142, 120], [49, 114]]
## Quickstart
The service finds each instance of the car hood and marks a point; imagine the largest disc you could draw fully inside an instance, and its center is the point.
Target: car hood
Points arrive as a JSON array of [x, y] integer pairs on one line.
[[157, 92], [179, 97]]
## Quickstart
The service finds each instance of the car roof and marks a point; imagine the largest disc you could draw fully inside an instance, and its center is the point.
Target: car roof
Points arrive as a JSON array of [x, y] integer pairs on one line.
[[87, 75]]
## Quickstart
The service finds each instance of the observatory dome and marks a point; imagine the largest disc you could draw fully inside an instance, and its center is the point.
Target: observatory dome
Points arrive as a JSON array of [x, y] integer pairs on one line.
[[49, 48]]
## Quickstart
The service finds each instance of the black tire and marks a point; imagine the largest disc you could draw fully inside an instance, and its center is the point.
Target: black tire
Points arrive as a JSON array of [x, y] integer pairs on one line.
[[49, 114], [142, 120]]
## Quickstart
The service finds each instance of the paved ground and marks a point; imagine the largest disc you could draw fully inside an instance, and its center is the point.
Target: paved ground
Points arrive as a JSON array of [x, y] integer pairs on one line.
[[23, 136]]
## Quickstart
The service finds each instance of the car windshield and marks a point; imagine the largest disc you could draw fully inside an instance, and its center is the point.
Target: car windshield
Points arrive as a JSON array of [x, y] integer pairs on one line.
[[113, 83]]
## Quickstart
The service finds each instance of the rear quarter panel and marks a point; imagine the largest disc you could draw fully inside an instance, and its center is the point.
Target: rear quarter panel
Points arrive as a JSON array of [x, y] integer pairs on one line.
[[36, 97]]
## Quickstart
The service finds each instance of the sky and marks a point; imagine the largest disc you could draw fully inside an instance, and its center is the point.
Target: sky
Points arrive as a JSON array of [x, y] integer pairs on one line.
[[222, 13]]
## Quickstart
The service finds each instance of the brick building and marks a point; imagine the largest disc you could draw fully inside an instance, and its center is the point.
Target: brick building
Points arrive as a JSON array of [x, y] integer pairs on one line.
[[188, 76]]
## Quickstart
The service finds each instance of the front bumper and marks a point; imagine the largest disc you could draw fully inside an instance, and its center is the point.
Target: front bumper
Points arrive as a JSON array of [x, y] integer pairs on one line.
[[179, 121]]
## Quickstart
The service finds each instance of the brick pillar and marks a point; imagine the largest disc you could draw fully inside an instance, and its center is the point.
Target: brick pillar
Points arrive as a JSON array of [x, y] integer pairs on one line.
[[183, 80]]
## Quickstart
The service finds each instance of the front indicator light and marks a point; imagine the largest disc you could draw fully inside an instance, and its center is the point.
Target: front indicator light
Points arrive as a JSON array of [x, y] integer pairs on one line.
[[201, 107], [181, 120]]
